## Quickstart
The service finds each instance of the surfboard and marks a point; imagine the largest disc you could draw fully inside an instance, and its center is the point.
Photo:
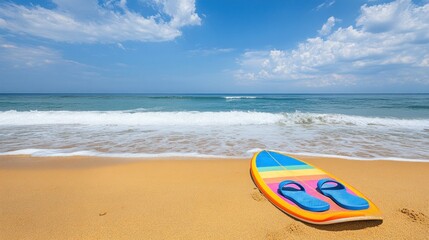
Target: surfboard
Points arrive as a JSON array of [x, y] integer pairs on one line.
[[268, 169]]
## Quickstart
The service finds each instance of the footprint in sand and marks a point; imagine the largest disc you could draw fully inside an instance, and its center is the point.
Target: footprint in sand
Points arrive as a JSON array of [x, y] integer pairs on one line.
[[257, 195], [289, 230], [293, 228], [415, 216]]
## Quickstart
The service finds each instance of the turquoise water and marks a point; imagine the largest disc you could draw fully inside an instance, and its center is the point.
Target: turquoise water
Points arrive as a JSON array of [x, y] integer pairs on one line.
[[369, 126], [385, 105]]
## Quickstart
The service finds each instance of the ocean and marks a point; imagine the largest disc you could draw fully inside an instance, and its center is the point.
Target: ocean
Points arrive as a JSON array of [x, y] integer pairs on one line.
[[355, 126]]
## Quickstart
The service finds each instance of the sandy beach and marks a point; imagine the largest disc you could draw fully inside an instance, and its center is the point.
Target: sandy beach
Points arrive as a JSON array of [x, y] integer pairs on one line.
[[112, 198]]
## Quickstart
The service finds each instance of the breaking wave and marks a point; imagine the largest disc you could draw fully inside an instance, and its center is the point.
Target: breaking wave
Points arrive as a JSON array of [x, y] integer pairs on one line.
[[189, 118]]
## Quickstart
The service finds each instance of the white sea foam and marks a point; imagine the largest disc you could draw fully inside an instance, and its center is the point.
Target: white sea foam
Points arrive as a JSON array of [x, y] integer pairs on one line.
[[210, 134], [354, 158], [310, 154], [138, 118], [240, 97], [341, 119], [189, 118], [93, 153]]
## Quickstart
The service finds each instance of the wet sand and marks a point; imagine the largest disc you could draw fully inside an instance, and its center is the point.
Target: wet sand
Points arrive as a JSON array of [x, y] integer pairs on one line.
[[184, 198]]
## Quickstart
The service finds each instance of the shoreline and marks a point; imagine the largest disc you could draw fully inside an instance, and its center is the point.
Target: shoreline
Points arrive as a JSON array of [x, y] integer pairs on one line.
[[33, 153], [191, 198]]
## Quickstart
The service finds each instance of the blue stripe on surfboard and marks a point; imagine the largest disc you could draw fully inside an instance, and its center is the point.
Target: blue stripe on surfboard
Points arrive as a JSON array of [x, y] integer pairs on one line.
[[265, 159]]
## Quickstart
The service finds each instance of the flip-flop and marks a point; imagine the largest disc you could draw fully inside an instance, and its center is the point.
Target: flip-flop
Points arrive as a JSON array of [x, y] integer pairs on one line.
[[301, 198], [338, 193]]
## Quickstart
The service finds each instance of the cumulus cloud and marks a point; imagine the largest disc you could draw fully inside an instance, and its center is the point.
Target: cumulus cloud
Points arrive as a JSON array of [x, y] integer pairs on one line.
[[389, 42], [183, 12], [91, 21]]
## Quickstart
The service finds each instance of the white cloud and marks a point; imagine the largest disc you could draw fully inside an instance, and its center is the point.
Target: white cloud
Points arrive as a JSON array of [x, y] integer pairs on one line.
[[327, 27], [27, 57], [211, 51], [87, 21], [20, 63], [19, 56], [121, 46], [182, 12], [325, 4], [390, 42]]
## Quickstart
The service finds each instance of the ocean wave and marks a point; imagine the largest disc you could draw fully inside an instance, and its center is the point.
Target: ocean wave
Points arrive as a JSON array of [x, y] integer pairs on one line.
[[138, 118], [240, 97], [351, 120], [191, 118], [418, 107]]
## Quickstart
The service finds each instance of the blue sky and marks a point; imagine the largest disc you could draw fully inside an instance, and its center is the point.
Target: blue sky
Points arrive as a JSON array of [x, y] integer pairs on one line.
[[214, 46]]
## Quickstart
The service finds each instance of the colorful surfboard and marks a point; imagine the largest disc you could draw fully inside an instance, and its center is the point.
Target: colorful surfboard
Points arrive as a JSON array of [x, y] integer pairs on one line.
[[269, 169]]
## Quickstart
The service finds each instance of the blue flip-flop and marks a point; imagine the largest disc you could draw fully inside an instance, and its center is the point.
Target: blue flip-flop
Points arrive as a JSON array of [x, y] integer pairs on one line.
[[338, 193], [301, 198]]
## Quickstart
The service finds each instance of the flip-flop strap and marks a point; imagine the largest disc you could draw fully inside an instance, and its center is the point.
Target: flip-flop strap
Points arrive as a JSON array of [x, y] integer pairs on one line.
[[321, 182], [288, 182]]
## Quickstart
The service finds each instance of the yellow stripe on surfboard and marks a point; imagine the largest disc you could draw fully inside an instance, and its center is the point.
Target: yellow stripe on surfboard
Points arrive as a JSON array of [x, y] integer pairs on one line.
[[286, 173]]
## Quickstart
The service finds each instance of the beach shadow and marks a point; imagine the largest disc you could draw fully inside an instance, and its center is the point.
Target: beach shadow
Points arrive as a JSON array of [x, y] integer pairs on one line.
[[346, 226]]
